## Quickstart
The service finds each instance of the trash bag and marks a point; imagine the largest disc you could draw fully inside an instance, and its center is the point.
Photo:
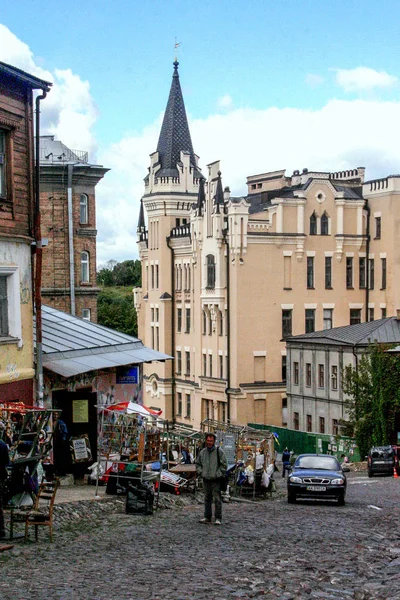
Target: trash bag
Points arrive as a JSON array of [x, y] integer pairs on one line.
[[139, 499]]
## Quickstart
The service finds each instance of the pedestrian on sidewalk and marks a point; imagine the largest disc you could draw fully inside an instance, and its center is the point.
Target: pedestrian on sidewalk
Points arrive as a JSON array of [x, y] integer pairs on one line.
[[4, 462], [285, 461], [211, 466]]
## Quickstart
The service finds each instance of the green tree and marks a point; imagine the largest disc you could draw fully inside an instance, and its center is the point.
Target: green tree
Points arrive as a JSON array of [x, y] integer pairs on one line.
[[373, 389], [126, 273], [115, 309]]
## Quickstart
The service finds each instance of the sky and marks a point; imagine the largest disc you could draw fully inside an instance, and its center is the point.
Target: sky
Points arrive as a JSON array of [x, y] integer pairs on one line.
[[267, 84]]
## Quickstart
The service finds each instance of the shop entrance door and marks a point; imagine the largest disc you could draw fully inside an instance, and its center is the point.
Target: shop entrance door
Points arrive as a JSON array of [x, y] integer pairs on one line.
[[80, 417]]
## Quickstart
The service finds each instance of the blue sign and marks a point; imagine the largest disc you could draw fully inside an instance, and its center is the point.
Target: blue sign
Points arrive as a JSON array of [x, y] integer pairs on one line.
[[128, 375]]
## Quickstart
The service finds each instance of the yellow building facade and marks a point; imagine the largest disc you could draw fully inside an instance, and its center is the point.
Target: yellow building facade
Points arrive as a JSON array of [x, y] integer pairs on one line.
[[226, 279]]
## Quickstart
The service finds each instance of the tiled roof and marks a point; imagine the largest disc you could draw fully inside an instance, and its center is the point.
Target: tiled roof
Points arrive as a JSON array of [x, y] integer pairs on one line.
[[175, 134], [383, 331]]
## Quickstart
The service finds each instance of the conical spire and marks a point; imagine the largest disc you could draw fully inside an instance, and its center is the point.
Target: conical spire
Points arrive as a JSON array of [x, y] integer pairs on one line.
[[141, 226], [175, 134], [219, 194], [201, 197]]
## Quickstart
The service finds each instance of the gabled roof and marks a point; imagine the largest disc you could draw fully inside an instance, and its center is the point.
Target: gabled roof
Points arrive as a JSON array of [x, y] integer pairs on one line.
[[72, 345], [383, 331], [30, 80], [175, 134]]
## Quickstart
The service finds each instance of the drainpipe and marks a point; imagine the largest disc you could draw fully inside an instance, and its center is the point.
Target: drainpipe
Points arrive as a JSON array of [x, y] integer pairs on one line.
[[172, 327], [39, 263], [367, 208], [228, 325], [71, 239], [356, 367]]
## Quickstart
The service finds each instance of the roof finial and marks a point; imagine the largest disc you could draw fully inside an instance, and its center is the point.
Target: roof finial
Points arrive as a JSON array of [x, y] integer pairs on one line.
[[176, 46]]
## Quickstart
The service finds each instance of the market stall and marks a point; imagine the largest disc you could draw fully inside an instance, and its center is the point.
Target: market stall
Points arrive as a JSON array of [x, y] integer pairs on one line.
[[129, 448]]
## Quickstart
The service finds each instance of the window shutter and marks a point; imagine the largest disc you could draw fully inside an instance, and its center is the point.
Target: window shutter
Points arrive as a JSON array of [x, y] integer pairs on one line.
[[3, 307]]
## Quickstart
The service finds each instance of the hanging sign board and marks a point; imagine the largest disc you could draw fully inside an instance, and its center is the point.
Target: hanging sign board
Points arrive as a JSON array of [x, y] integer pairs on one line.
[[80, 411], [80, 449], [127, 375]]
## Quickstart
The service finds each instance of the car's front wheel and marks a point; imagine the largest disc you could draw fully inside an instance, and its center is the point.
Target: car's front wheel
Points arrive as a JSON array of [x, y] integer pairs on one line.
[[291, 498], [341, 500]]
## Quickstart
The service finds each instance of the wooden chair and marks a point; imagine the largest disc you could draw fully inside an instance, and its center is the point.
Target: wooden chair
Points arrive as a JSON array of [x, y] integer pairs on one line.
[[41, 514]]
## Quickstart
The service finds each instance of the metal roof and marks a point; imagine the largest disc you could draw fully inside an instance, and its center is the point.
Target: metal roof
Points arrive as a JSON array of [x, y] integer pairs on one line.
[[72, 345], [383, 331]]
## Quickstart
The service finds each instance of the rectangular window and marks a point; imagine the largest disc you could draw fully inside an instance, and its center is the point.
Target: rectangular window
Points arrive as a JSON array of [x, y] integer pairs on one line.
[[3, 164], [328, 318], [322, 424], [310, 320], [335, 427], [321, 376], [362, 273], [188, 406], [152, 276], [296, 373], [221, 366], [283, 368], [349, 273], [222, 410], [153, 338], [157, 338], [377, 228], [187, 320], [371, 314], [383, 313], [296, 421], [83, 209], [157, 277], [309, 423], [179, 320], [210, 364], [310, 272], [286, 323], [178, 362], [383, 264], [4, 330], [355, 316], [371, 264], [86, 314], [179, 407], [308, 374], [152, 315], [187, 355], [334, 377], [328, 272]]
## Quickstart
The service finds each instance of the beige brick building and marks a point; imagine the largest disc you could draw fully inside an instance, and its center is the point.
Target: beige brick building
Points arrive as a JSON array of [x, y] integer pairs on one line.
[[225, 280], [68, 208]]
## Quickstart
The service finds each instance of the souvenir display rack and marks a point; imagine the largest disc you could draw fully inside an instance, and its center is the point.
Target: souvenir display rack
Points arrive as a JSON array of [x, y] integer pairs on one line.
[[126, 444]]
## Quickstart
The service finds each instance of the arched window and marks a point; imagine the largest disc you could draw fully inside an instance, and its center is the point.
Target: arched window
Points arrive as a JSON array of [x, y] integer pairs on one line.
[[313, 224], [84, 266], [83, 209], [210, 271], [324, 224]]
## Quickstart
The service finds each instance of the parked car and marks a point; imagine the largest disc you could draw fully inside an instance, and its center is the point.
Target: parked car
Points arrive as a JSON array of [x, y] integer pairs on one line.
[[318, 476], [381, 460]]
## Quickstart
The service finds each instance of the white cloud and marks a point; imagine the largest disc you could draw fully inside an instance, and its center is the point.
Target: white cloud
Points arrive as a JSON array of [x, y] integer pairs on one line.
[[69, 111], [314, 80], [364, 79], [225, 102]]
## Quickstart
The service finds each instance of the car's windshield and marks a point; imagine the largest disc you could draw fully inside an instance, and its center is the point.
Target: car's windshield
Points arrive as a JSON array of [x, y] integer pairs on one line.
[[317, 462], [383, 452]]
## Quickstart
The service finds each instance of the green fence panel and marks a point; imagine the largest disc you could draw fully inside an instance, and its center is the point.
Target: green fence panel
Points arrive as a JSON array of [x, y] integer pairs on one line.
[[301, 442]]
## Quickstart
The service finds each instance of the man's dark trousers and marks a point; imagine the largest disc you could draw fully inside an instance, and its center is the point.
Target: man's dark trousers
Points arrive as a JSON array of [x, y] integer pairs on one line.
[[212, 488]]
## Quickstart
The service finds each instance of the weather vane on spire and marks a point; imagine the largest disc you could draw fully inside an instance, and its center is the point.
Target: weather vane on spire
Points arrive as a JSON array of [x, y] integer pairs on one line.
[[176, 46]]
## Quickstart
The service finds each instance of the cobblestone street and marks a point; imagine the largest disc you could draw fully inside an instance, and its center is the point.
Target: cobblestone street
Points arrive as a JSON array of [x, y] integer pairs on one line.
[[263, 549]]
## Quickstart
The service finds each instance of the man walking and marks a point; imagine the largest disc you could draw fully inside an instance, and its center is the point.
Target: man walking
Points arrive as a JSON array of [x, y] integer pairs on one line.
[[211, 465], [4, 462]]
